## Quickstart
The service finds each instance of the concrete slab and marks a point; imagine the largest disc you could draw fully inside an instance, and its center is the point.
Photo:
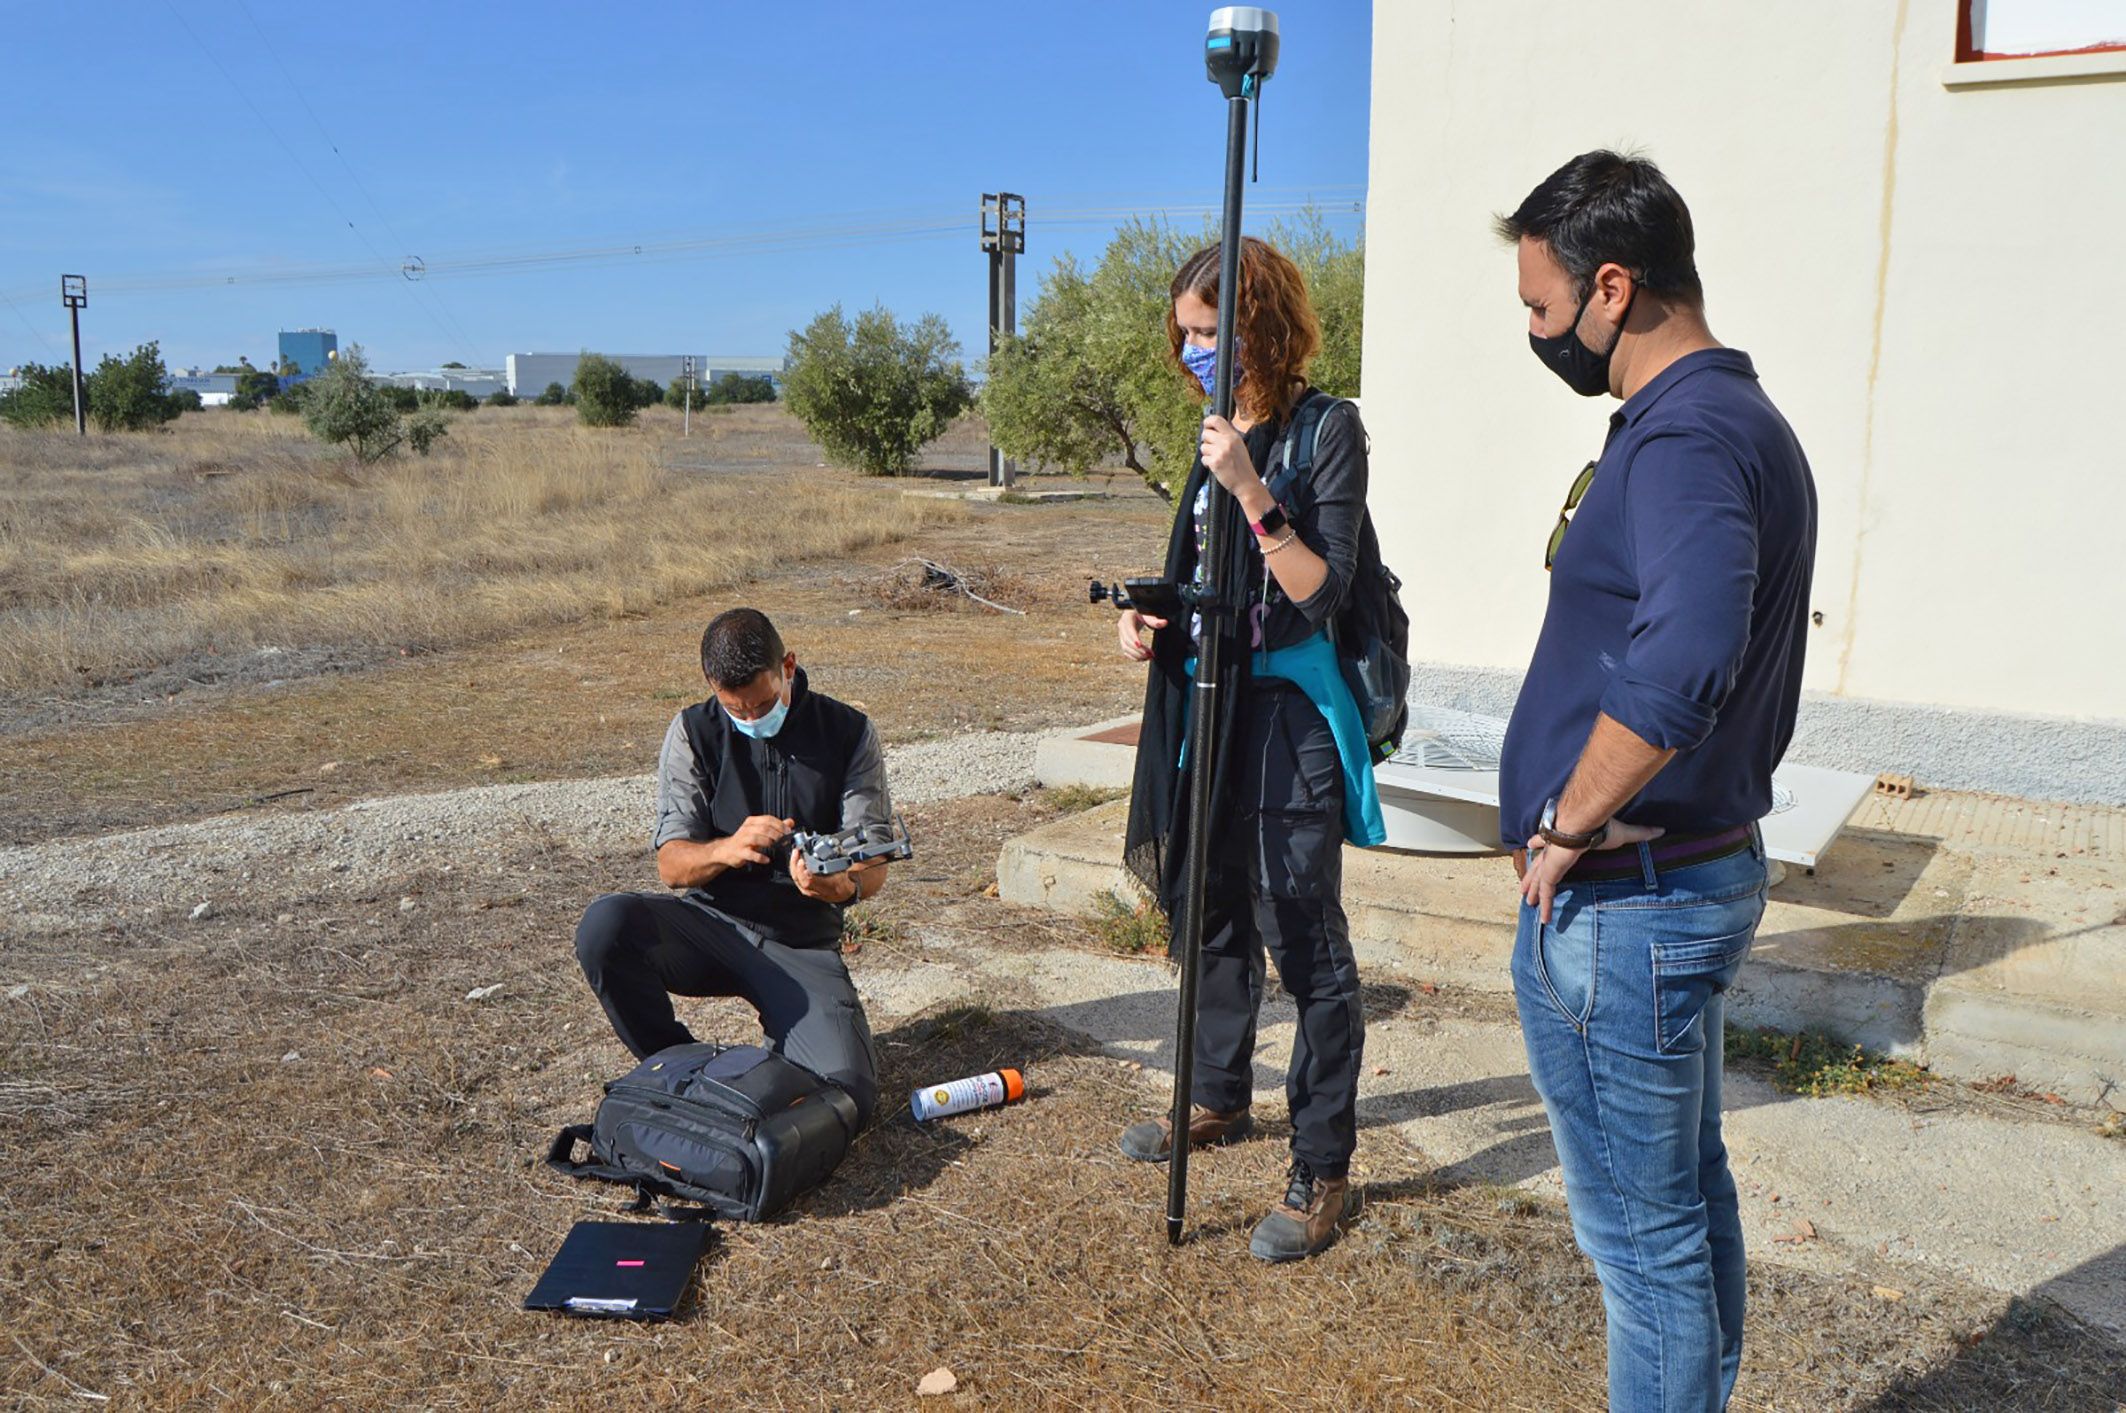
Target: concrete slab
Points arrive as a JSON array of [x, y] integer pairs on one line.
[[1102, 756], [2034, 982], [1960, 958], [2013, 1205]]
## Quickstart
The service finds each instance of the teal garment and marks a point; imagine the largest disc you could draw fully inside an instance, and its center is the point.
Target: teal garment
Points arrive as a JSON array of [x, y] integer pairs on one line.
[[1310, 665]]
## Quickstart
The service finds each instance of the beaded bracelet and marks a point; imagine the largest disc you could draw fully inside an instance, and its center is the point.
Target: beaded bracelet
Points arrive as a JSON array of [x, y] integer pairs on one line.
[[1290, 535]]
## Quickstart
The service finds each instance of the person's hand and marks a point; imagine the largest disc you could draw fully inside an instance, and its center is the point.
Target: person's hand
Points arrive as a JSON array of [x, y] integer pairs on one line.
[[750, 842], [1225, 453], [1129, 630], [827, 888], [1548, 863]]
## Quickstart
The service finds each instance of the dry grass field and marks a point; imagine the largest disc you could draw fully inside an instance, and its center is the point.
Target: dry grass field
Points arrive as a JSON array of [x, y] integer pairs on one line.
[[232, 534]]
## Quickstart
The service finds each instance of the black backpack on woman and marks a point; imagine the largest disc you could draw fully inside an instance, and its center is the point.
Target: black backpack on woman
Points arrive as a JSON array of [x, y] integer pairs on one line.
[[1371, 631]]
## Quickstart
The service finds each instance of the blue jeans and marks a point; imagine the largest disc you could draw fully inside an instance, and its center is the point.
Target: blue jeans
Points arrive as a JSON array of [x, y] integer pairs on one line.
[[1622, 1002]]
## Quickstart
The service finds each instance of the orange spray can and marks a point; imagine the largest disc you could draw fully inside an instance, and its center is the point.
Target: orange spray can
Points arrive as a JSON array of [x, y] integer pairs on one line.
[[961, 1096]]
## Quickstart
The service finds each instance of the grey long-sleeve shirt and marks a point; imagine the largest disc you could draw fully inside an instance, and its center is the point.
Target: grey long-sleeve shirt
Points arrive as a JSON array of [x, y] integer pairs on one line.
[[683, 792]]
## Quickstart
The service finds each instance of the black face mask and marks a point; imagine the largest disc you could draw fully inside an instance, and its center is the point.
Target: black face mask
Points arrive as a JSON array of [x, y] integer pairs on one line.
[[1584, 371]]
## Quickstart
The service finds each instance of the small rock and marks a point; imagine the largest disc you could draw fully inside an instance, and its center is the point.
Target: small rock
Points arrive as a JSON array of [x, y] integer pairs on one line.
[[330, 767], [291, 1057], [407, 905], [481, 993], [19, 990], [1886, 1292], [204, 910], [611, 1355], [285, 918], [937, 1382]]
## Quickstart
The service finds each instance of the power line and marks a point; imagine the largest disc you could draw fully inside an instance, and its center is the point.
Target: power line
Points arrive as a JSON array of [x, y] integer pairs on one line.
[[308, 176], [819, 235], [352, 175], [31, 327]]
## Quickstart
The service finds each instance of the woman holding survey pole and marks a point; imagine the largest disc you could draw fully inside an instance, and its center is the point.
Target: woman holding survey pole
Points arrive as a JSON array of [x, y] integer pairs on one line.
[[1293, 777]]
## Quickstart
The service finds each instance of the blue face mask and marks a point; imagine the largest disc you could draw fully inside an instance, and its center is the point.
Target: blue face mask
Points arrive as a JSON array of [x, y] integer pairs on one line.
[[764, 726], [1203, 362]]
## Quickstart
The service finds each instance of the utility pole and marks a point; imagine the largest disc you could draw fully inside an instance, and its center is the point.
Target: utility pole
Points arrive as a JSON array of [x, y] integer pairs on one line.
[[686, 419], [1004, 237], [74, 291]]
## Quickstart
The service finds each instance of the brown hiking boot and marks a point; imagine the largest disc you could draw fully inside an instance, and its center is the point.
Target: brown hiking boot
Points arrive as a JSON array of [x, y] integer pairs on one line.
[[1152, 1141], [1307, 1219]]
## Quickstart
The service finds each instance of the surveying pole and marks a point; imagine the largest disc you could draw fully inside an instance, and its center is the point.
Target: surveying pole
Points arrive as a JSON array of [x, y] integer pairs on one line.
[[74, 292], [1004, 237], [686, 419], [1238, 54]]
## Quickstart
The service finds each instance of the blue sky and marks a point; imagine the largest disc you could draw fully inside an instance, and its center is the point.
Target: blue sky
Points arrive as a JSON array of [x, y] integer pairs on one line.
[[475, 133]]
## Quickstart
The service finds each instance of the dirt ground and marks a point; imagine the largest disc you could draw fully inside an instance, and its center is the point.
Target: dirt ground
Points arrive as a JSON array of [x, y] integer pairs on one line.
[[278, 1156]]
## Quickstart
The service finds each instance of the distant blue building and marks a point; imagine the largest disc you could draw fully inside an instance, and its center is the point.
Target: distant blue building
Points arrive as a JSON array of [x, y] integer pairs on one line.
[[311, 349]]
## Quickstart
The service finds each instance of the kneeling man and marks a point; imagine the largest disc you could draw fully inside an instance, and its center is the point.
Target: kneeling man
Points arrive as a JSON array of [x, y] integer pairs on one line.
[[763, 757]]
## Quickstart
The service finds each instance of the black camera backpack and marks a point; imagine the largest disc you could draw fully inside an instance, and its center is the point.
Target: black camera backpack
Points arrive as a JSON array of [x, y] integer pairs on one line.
[[736, 1128], [1371, 630]]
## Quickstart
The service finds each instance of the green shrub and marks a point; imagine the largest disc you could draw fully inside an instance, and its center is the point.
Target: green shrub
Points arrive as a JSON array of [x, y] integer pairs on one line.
[[501, 397], [126, 394], [554, 396], [450, 399], [343, 407], [1814, 1064], [874, 392], [1130, 929], [425, 428], [45, 397], [186, 400], [604, 393], [739, 388]]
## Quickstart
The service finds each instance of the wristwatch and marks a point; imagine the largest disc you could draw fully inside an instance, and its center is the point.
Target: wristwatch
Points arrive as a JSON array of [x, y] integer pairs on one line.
[[1273, 521], [1594, 839]]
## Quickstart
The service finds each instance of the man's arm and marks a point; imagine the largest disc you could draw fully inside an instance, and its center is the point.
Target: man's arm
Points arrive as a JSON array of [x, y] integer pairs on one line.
[[690, 854], [693, 863], [1693, 540], [1615, 765]]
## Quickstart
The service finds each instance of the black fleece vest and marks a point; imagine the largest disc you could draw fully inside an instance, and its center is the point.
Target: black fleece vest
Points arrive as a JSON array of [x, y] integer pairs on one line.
[[799, 773]]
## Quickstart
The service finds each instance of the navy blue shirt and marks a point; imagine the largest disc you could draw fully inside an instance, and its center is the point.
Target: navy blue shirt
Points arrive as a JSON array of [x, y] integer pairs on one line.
[[1678, 605]]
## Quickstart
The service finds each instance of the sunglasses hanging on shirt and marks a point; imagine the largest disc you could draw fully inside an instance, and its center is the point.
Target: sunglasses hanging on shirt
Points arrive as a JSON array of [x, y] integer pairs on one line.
[[1573, 498]]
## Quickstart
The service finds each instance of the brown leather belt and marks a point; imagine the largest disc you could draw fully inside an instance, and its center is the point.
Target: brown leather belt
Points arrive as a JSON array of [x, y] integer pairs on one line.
[[1670, 851]]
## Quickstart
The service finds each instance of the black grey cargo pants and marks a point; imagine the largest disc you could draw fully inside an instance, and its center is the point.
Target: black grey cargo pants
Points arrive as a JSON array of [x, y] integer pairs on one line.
[[638, 950], [1276, 886]]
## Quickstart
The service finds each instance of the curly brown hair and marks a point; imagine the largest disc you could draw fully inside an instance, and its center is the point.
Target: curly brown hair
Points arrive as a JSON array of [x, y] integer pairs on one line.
[[1275, 323]]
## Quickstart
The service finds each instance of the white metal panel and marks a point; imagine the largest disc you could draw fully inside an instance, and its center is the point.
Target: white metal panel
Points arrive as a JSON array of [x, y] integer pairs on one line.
[[1450, 756]]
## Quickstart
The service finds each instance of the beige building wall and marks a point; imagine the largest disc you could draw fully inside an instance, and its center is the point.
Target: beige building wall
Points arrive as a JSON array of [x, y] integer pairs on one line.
[[1931, 280]]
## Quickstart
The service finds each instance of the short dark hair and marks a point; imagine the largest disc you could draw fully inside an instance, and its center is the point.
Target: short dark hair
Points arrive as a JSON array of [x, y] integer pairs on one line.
[[1604, 207], [738, 645]]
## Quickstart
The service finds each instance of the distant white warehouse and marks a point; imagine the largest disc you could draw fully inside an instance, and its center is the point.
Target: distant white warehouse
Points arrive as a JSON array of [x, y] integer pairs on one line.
[[529, 373]]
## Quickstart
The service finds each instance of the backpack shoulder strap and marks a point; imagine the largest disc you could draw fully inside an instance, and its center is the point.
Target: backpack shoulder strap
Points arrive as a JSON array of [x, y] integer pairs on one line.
[[1296, 451]]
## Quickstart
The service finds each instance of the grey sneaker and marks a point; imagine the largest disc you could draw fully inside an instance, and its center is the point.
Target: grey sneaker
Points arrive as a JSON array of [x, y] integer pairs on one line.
[[1306, 1221], [1152, 1141]]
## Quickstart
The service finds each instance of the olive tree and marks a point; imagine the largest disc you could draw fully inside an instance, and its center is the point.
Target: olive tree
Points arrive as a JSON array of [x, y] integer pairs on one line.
[[873, 391]]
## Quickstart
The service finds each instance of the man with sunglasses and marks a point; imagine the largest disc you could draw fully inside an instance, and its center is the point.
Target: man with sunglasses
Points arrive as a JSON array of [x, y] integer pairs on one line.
[[1639, 760]]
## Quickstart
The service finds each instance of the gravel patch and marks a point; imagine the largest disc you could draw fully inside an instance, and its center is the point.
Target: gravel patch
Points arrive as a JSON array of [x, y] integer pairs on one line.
[[70, 883]]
